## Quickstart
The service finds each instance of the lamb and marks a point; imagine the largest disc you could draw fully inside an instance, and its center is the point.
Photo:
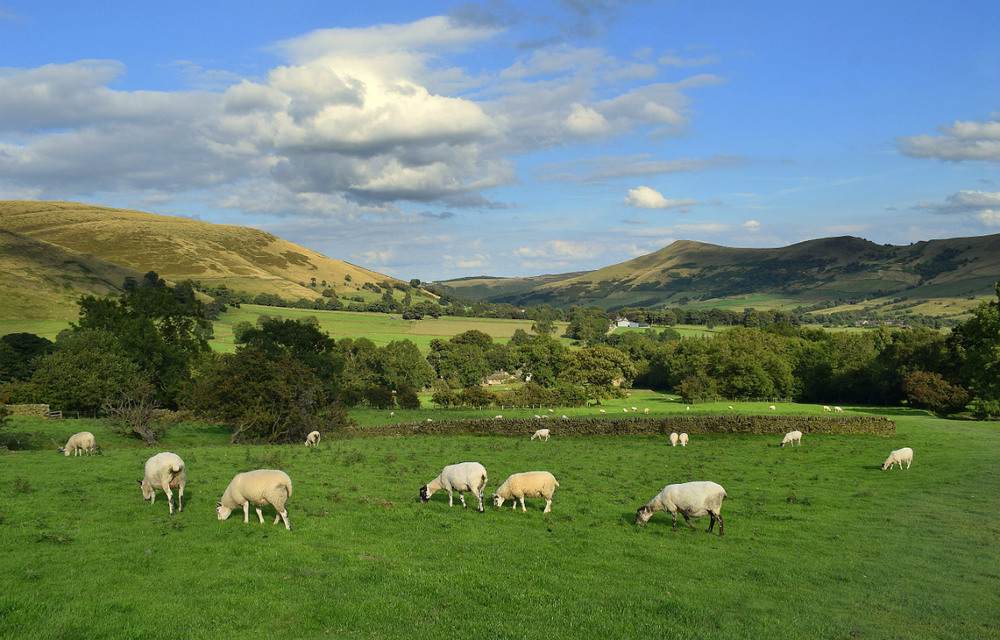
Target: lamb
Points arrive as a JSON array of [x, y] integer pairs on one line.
[[792, 437], [164, 471], [691, 499], [530, 484], [312, 439], [78, 443], [541, 433], [673, 439], [899, 456], [683, 439], [461, 477], [260, 487]]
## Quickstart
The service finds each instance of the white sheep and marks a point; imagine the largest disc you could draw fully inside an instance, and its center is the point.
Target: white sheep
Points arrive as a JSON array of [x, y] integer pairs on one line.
[[541, 433], [78, 443], [260, 487], [601, 411], [730, 407], [899, 456], [683, 439], [164, 471], [792, 437], [838, 410], [773, 408], [312, 439], [673, 439], [461, 477], [634, 409], [530, 484], [392, 414], [825, 408], [625, 409], [691, 499], [498, 416], [646, 411]]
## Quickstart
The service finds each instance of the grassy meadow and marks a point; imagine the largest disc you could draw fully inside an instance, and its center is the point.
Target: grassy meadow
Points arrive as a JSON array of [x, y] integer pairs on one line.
[[819, 543]]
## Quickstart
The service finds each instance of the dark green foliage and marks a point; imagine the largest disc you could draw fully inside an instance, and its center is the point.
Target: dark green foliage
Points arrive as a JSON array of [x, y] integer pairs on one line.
[[19, 353], [926, 390]]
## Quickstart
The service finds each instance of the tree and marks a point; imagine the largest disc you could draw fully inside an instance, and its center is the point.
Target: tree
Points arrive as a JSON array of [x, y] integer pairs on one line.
[[602, 370], [976, 346], [19, 353], [928, 390], [131, 413]]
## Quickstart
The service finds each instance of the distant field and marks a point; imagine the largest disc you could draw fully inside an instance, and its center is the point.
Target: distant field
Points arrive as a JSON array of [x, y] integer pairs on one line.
[[819, 542]]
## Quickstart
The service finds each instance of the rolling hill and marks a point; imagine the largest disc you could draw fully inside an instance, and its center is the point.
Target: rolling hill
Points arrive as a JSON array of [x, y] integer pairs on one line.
[[60, 250], [943, 277]]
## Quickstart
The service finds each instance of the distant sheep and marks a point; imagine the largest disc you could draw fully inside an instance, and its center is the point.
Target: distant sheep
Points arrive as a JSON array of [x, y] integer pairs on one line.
[[792, 437], [730, 407], [827, 408], [164, 471], [312, 439], [625, 409], [773, 408], [78, 443], [838, 410], [530, 484], [690, 499], [602, 411], [635, 409], [899, 456], [683, 439], [541, 433], [461, 477], [260, 487], [673, 439], [646, 411]]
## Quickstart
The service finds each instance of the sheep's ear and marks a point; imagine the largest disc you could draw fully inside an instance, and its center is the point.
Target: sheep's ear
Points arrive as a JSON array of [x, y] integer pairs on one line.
[[140, 482], [219, 504]]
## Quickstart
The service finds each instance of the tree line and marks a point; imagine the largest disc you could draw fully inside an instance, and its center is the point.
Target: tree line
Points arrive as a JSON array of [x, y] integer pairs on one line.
[[148, 348]]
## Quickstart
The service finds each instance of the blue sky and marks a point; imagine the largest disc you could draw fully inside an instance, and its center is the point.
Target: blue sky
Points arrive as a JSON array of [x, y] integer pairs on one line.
[[436, 140]]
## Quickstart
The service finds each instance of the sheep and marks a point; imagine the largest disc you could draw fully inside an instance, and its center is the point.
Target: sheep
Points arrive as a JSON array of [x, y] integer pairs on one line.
[[565, 417], [498, 416], [773, 408], [260, 487], [164, 471], [730, 407], [392, 414], [683, 439], [673, 439], [792, 437], [602, 411], [625, 409], [825, 408], [461, 477], [634, 409], [646, 411], [530, 484], [899, 456], [312, 439], [838, 410], [78, 443], [541, 433], [691, 499]]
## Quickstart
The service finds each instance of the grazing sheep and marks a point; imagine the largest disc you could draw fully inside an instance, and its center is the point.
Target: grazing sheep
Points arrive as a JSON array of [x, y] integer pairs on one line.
[[538, 417], [392, 414], [78, 443], [530, 484], [312, 439], [838, 410], [498, 417], [691, 499], [461, 477], [602, 411], [565, 417], [551, 410], [825, 408], [634, 409], [683, 439], [260, 487], [673, 439], [625, 409], [541, 433], [164, 471], [688, 408], [899, 456], [730, 407], [792, 437], [646, 411], [773, 408]]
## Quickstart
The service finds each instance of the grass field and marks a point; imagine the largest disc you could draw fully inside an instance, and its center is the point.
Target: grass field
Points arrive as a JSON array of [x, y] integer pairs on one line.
[[820, 543]]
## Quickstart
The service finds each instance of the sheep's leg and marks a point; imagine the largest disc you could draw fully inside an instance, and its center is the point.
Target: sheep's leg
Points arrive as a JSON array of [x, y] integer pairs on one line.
[[461, 496], [718, 517], [170, 498], [180, 499], [688, 520], [260, 514], [246, 512], [450, 501], [283, 515], [548, 505], [523, 508], [674, 514], [711, 521]]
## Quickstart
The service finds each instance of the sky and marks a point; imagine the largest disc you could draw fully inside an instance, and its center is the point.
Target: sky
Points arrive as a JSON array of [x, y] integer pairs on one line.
[[438, 140]]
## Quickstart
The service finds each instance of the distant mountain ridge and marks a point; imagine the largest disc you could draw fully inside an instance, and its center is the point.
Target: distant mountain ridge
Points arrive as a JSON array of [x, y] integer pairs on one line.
[[67, 237], [845, 269]]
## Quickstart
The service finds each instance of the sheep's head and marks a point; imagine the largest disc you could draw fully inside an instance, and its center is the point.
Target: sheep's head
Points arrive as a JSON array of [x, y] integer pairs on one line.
[[424, 494], [643, 515], [63, 450], [497, 500], [147, 491], [223, 512]]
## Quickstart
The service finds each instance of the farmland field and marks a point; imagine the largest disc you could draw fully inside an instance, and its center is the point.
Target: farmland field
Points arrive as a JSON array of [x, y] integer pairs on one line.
[[819, 543]]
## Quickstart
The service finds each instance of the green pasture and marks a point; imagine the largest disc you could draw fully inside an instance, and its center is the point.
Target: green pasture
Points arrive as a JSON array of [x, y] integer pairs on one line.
[[820, 543]]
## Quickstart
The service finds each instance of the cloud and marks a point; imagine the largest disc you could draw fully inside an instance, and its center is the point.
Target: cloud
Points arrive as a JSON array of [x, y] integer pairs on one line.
[[604, 168], [963, 202], [646, 198], [959, 142], [560, 250], [752, 225]]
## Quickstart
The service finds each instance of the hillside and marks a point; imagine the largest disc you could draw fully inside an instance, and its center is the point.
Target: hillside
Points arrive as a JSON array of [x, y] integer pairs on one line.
[[846, 270], [176, 248]]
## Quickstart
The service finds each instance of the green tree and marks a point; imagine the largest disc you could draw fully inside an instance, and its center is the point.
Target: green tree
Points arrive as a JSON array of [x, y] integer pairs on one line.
[[400, 363], [975, 344], [601, 370], [928, 390], [19, 353]]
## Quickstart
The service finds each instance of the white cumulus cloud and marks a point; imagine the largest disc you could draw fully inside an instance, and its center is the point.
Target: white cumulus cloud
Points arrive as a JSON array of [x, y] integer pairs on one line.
[[646, 198]]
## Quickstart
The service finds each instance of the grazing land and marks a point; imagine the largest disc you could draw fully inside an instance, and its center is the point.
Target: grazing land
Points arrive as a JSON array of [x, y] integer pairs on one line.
[[819, 542]]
